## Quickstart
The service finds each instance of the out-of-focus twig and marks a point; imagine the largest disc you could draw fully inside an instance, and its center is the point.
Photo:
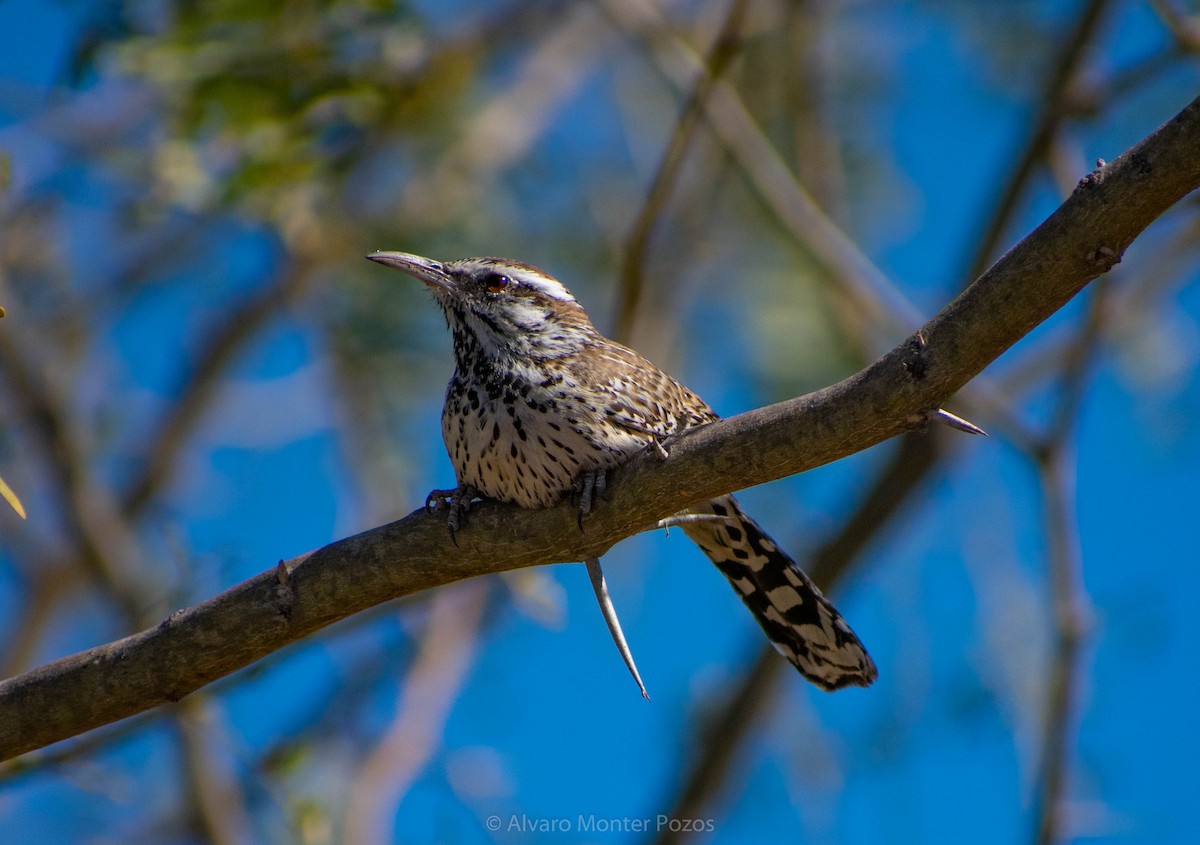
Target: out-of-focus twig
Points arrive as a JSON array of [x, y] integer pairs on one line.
[[724, 49], [1184, 28], [880, 302], [1053, 107], [505, 127], [1129, 78], [44, 589], [1070, 606], [218, 802], [104, 550], [222, 347], [818, 157], [431, 685], [1070, 616]]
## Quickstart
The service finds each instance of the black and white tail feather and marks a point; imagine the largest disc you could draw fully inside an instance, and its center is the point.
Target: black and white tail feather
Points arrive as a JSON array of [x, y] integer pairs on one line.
[[800, 622]]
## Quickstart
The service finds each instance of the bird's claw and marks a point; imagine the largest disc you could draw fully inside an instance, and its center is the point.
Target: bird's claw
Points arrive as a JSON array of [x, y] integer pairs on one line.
[[590, 485], [457, 500]]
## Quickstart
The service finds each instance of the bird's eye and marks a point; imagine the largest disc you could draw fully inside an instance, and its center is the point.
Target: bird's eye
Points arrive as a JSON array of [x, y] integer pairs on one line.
[[496, 282]]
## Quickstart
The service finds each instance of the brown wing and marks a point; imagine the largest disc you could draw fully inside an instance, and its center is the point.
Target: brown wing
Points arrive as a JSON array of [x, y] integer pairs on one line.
[[636, 394]]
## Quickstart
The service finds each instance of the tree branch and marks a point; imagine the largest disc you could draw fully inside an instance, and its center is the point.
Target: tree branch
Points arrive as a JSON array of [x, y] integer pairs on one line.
[[1084, 238]]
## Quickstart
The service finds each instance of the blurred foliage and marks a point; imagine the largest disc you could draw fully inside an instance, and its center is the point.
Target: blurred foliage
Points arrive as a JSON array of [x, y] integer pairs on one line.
[[272, 107]]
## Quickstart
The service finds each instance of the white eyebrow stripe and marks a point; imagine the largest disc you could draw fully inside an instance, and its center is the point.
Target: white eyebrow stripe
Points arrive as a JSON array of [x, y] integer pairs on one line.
[[551, 287]]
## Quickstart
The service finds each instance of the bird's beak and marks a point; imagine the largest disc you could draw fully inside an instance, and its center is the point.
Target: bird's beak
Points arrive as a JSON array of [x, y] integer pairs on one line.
[[425, 269]]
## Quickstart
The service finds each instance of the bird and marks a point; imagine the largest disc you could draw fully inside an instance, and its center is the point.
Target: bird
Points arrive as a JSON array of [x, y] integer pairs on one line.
[[542, 406]]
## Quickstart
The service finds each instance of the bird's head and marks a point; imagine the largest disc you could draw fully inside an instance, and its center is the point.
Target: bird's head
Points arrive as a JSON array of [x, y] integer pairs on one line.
[[507, 308]]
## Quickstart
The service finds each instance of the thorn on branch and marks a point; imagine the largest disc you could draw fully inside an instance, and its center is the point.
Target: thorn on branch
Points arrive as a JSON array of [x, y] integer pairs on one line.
[[685, 518], [941, 415], [609, 611]]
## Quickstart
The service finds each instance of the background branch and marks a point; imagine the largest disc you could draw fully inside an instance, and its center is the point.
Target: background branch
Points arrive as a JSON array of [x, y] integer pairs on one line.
[[241, 327], [1054, 108], [1070, 606], [637, 243], [444, 658]]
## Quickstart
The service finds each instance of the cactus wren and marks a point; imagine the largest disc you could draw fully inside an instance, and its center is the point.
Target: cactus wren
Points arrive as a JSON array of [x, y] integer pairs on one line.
[[541, 404]]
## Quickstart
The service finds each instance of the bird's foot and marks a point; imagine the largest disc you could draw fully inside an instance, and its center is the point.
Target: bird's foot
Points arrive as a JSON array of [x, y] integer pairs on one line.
[[457, 500], [589, 486]]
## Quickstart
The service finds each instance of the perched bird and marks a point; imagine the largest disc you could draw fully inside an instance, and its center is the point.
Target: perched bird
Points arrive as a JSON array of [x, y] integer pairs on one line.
[[541, 404]]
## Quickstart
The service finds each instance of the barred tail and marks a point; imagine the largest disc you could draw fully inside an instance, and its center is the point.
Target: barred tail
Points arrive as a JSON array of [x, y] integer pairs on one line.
[[801, 623]]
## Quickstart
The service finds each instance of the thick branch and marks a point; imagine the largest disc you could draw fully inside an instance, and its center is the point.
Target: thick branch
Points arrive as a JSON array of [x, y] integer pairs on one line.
[[1081, 240]]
